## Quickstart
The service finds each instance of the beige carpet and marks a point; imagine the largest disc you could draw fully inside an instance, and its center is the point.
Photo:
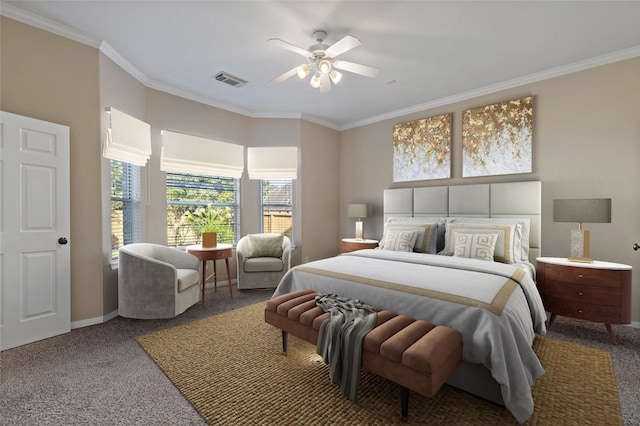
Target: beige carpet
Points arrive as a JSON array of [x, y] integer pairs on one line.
[[231, 370]]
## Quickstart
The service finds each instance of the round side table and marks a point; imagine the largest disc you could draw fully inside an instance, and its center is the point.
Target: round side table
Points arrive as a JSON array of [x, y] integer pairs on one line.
[[221, 251]]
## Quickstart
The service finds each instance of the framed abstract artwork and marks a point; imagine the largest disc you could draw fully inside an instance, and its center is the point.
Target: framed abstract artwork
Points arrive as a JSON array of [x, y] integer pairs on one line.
[[497, 139], [422, 149]]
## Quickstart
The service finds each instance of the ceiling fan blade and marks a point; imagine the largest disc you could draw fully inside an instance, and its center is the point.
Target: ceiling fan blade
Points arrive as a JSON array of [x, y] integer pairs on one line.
[[325, 83], [289, 46], [284, 76], [356, 68], [345, 44]]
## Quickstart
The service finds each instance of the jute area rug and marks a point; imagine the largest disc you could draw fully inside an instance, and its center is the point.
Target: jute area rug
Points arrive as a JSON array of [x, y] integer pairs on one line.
[[231, 369]]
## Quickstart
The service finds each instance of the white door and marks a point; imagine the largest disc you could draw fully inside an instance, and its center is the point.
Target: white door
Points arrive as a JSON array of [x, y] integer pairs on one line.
[[34, 230]]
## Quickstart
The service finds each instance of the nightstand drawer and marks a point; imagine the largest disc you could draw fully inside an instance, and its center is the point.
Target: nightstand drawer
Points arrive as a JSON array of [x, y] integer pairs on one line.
[[609, 296], [600, 277], [586, 311]]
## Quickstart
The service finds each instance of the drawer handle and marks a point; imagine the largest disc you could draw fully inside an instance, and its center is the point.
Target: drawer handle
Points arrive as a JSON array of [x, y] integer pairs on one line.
[[579, 311], [580, 293]]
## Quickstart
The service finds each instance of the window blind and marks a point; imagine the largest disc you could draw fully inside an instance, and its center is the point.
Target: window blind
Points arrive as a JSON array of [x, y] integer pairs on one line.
[[277, 206], [200, 156], [272, 162], [126, 224], [193, 200], [127, 139]]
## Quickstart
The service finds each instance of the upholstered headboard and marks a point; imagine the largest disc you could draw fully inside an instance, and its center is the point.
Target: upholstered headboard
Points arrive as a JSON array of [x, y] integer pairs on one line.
[[493, 200]]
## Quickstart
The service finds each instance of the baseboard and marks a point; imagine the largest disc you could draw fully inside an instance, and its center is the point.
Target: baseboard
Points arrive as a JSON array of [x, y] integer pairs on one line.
[[222, 282], [634, 324], [94, 321], [112, 315]]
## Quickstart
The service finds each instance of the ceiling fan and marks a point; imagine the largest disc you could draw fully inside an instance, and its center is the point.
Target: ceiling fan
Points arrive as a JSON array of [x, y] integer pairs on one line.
[[322, 62]]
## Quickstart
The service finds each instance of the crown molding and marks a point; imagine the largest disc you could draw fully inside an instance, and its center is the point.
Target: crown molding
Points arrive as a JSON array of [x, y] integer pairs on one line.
[[107, 50], [32, 19], [597, 61], [45, 24], [172, 90]]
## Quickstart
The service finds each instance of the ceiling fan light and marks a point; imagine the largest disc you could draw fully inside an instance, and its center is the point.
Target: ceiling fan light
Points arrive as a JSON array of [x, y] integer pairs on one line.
[[303, 71], [324, 66], [315, 81], [335, 76]]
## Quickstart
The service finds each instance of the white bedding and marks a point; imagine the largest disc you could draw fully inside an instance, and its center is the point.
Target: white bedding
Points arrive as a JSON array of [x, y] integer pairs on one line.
[[495, 306]]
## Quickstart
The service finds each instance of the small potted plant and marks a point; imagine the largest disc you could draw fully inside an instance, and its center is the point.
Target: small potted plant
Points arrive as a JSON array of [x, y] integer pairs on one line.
[[206, 222], [209, 235]]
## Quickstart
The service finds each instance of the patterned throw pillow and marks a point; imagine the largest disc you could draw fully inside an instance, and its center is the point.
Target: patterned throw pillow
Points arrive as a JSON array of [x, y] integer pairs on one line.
[[265, 245], [475, 246], [427, 235], [399, 240], [505, 247]]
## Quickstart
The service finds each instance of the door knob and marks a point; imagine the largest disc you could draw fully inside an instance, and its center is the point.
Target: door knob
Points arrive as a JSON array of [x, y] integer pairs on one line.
[[62, 240], [636, 247]]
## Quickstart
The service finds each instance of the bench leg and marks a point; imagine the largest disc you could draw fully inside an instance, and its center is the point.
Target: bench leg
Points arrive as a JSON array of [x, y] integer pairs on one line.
[[284, 342], [404, 402]]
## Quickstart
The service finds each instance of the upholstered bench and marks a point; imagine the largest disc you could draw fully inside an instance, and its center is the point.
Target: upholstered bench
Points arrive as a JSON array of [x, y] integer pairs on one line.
[[416, 355]]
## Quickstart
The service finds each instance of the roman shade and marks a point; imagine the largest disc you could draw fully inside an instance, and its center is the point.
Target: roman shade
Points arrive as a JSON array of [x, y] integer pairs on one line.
[[200, 156], [128, 139], [279, 162]]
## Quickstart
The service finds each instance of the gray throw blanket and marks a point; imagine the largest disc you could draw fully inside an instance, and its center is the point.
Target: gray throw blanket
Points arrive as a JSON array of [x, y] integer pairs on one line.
[[340, 339]]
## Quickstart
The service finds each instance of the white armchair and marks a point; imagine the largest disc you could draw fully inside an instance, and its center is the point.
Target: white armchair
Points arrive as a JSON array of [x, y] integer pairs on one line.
[[262, 260], [156, 281]]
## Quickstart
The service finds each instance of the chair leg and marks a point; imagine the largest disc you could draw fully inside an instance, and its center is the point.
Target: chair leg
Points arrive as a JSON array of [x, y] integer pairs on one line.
[[284, 342]]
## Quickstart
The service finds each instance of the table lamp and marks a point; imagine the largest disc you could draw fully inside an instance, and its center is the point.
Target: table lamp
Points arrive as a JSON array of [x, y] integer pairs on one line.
[[593, 210], [358, 211]]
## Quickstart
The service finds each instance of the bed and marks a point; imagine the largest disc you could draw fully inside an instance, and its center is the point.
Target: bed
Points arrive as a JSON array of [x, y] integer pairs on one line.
[[459, 256]]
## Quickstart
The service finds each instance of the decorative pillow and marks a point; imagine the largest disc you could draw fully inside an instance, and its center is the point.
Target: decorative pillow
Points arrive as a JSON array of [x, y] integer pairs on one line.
[[426, 235], [521, 236], [475, 246], [399, 240], [505, 249], [265, 245]]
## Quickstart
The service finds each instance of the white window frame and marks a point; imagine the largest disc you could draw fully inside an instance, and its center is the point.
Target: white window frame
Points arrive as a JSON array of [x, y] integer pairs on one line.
[[130, 188], [288, 203], [207, 183]]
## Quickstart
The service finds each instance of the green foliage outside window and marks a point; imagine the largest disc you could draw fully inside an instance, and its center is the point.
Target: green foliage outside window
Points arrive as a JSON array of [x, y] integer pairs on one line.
[[198, 202]]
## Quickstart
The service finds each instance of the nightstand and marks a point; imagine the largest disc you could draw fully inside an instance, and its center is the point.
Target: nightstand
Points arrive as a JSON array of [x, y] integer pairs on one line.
[[598, 291], [353, 244]]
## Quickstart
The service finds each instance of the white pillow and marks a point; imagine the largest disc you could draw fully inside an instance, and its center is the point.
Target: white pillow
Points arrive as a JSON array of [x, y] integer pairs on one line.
[[399, 240], [506, 250], [475, 246], [427, 235]]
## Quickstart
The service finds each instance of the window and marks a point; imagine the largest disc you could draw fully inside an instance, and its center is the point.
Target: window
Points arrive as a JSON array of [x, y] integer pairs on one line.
[[202, 203], [277, 206], [125, 205]]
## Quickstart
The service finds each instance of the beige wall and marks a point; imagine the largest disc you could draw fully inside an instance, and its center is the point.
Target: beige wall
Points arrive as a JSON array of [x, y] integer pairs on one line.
[[319, 192], [52, 78], [586, 145], [118, 89]]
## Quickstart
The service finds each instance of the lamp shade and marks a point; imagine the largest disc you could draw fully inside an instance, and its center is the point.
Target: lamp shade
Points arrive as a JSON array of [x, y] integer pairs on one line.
[[357, 210], [128, 139], [200, 156], [592, 210], [279, 162]]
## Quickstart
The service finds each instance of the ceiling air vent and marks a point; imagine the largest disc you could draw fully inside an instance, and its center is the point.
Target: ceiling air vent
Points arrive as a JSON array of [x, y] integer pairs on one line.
[[230, 80]]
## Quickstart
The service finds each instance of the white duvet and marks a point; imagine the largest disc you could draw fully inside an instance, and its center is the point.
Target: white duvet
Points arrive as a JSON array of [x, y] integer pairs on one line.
[[495, 306]]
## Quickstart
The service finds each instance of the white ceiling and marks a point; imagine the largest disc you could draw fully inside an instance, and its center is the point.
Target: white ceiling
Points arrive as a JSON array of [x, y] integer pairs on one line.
[[428, 52]]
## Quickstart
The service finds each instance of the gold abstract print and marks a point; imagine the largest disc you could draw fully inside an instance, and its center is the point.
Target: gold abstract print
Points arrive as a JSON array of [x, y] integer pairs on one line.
[[497, 139], [422, 149]]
